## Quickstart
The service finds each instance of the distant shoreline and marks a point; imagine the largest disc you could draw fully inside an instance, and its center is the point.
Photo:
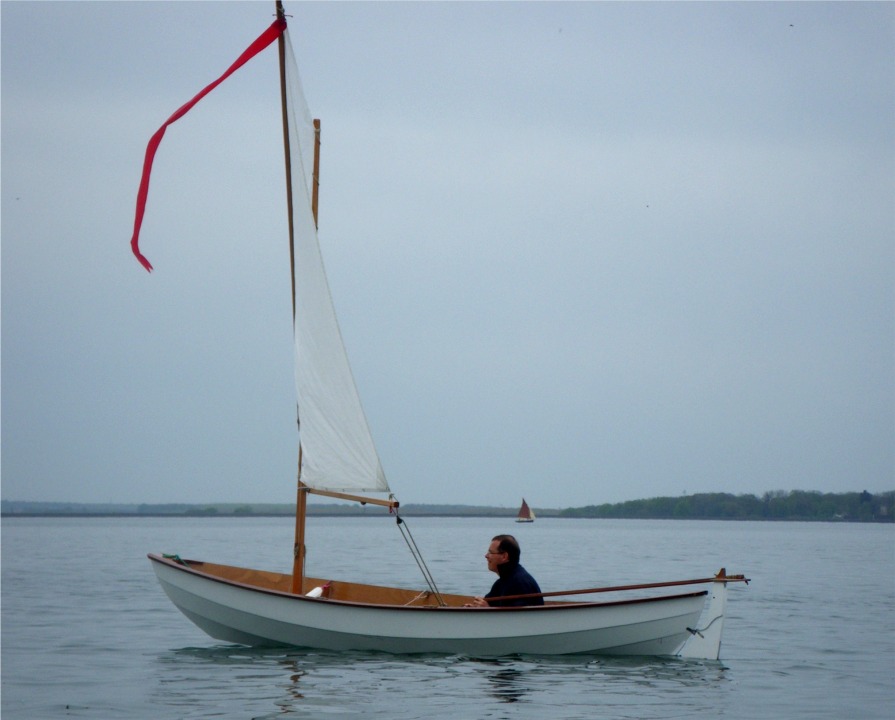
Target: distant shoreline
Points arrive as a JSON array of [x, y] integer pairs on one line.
[[109, 516], [794, 505]]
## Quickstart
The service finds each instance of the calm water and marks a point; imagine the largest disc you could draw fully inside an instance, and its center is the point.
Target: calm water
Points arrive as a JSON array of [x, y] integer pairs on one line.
[[88, 633]]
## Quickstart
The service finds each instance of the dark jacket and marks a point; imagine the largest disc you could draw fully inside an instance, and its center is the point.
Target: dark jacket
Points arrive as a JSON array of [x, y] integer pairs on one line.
[[514, 580]]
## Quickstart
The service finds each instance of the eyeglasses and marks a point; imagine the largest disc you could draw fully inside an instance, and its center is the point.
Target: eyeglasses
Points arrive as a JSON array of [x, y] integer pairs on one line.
[[499, 552]]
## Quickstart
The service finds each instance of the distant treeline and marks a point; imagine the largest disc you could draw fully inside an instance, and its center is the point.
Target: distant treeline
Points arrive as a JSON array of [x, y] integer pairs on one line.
[[779, 505]]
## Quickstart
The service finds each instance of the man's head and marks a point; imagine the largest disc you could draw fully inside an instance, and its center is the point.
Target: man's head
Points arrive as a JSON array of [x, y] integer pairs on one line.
[[503, 549]]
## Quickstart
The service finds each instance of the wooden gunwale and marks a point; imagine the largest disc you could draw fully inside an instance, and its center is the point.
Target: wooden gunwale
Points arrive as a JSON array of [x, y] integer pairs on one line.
[[720, 577], [550, 606]]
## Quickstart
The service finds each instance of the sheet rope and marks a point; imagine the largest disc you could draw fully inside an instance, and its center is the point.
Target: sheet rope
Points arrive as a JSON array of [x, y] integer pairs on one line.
[[418, 557]]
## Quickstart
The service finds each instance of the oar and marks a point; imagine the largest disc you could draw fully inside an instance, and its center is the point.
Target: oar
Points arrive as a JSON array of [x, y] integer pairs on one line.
[[720, 577]]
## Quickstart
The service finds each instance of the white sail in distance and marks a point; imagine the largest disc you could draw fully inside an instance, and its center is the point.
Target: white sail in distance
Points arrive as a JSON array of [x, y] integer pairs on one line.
[[338, 453]]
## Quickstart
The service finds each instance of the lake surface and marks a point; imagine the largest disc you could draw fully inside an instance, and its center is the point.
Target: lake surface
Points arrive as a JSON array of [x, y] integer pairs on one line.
[[88, 633]]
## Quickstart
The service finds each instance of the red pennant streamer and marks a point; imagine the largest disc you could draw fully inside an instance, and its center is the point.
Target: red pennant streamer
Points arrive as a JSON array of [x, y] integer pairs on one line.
[[265, 39]]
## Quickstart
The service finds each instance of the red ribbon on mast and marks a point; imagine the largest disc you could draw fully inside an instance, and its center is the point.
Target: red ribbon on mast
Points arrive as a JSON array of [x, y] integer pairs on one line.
[[266, 38]]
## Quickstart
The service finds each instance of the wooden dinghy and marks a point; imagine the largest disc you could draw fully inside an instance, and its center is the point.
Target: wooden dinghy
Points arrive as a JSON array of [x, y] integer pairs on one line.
[[254, 607]]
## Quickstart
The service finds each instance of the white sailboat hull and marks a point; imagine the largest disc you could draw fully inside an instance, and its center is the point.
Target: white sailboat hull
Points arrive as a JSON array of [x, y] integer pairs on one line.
[[240, 613]]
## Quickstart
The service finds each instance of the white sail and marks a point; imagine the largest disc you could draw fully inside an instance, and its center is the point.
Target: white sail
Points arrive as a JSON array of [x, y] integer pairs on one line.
[[338, 453]]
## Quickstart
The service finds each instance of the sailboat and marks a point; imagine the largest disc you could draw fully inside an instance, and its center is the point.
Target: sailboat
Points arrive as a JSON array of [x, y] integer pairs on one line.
[[526, 514], [337, 458]]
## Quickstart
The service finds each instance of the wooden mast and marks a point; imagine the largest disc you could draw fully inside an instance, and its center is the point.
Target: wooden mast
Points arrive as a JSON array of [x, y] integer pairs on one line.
[[301, 496]]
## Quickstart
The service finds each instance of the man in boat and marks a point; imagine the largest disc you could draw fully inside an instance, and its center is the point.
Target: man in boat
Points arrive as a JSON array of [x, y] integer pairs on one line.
[[513, 579]]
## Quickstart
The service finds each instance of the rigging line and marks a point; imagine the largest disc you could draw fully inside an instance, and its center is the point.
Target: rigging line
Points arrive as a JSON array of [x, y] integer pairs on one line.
[[413, 552], [418, 557], [426, 571], [699, 631]]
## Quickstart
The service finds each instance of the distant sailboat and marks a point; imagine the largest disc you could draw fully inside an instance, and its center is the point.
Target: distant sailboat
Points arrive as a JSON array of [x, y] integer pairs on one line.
[[526, 514], [337, 458]]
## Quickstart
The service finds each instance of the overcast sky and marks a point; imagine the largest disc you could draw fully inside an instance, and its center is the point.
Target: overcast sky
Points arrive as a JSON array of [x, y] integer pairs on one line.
[[581, 252]]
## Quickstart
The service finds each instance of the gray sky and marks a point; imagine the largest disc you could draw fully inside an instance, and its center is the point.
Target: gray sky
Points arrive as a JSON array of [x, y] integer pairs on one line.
[[581, 252]]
